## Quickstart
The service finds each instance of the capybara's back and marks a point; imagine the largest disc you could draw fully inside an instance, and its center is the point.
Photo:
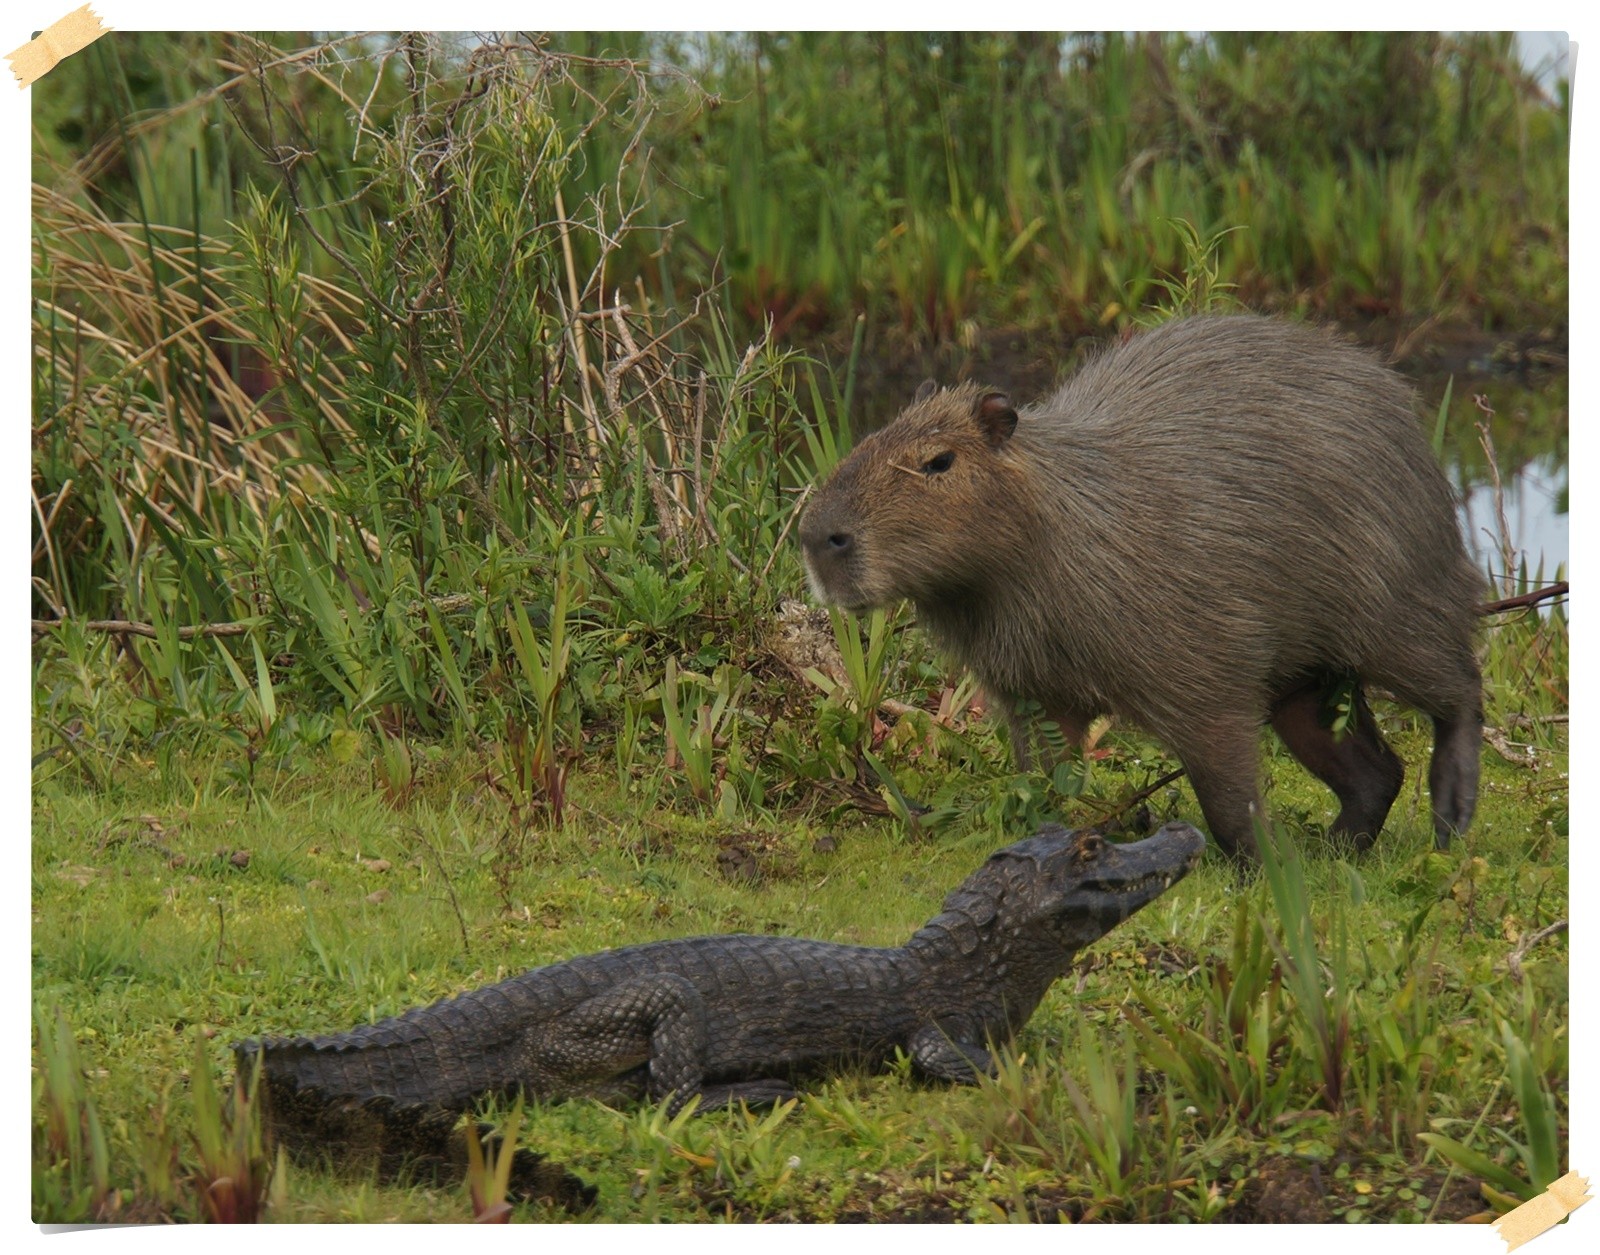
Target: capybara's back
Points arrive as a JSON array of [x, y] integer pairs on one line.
[[1222, 521]]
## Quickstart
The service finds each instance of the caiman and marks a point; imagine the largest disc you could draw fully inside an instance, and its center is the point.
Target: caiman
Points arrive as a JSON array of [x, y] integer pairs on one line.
[[729, 1019]]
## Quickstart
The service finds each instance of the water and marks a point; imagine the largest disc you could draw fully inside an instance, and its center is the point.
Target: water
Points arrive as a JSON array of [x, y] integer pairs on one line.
[[1547, 55], [1535, 499], [1528, 424]]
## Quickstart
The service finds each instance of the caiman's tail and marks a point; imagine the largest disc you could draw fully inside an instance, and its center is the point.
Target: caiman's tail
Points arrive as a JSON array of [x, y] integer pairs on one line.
[[391, 1093], [436, 1059]]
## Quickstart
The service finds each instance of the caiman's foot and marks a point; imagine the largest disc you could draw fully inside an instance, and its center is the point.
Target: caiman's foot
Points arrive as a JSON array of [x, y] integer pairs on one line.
[[942, 1057], [751, 1093]]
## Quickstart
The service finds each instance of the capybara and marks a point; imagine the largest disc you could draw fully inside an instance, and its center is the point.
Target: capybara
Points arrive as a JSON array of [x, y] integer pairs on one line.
[[1221, 522]]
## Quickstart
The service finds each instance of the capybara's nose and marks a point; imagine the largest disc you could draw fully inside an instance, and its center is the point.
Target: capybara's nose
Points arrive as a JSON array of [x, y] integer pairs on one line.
[[827, 549], [823, 538]]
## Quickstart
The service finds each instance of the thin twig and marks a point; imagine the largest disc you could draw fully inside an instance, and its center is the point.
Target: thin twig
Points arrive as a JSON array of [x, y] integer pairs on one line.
[[1116, 810], [444, 604], [1503, 747], [1558, 589], [701, 525], [126, 627], [45, 524], [366, 105], [631, 357], [1507, 549], [461, 922], [579, 344], [1533, 721], [794, 515], [1514, 959]]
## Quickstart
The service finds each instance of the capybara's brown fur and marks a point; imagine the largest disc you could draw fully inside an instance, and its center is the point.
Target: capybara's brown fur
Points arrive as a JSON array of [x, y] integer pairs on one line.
[[1224, 521]]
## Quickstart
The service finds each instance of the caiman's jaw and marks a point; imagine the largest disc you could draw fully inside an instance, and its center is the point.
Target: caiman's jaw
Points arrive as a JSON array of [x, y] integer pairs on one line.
[[1091, 885]]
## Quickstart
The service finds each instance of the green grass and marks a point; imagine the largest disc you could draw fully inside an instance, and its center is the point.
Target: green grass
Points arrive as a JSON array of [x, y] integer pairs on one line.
[[942, 182], [1094, 1118], [934, 182]]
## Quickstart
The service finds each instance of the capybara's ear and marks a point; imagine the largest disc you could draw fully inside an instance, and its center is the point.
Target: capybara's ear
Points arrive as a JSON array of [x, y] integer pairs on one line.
[[924, 390], [995, 418]]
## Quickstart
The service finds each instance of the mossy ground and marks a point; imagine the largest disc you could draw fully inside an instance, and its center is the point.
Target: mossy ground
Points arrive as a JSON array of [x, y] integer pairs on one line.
[[309, 904]]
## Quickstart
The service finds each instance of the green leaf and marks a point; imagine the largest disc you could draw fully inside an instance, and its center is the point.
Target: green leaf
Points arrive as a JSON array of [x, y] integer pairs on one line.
[[1479, 1165], [1541, 1153], [447, 665]]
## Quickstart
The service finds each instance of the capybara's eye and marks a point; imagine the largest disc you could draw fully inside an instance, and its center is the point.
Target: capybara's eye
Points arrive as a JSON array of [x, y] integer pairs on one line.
[[939, 465]]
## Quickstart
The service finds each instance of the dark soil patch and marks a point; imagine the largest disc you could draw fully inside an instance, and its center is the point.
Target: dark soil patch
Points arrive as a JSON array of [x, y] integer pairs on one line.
[[1283, 1191], [1290, 1190], [956, 1198], [754, 857]]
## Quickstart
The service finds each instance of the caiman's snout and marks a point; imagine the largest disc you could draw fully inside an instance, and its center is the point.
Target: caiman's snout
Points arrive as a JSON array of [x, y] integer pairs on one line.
[[1104, 882], [1172, 851]]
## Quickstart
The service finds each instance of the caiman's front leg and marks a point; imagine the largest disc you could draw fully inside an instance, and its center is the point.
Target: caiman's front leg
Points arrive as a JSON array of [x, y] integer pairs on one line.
[[659, 1020], [948, 1055]]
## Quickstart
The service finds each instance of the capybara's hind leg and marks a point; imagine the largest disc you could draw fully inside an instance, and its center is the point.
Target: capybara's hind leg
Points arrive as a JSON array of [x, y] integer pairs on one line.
[[1446, 684], [1363, 772], [1453, 775]]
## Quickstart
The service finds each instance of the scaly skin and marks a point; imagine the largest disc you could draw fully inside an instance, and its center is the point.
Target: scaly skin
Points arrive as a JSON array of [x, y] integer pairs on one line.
[[729, 1018]]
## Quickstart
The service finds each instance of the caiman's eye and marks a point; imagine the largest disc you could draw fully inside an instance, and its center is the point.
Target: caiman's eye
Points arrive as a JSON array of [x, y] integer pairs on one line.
[[939, 465]]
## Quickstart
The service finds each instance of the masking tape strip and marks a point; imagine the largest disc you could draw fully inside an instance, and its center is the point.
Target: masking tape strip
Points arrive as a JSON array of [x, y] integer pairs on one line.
[[54, 44], [1538, 1214]]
